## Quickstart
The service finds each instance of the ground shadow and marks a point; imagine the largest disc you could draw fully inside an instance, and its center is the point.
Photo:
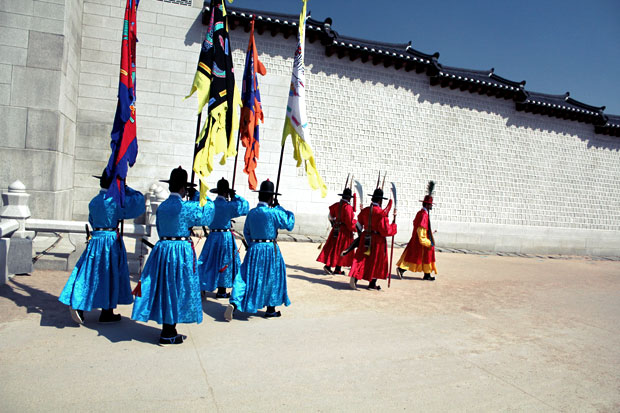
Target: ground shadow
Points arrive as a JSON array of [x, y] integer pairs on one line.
[[53, 313], [409, 278], [340, 283], [309, 270], [125, 330], [215, 309]]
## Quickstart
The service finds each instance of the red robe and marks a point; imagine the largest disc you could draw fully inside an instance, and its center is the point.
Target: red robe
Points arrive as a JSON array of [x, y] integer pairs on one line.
[[374, 265], [330, 254], [419, 256]]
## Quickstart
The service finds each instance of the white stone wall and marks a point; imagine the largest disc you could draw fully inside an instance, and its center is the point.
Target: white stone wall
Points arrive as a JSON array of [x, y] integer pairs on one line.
[[39, 71], [496, 169]]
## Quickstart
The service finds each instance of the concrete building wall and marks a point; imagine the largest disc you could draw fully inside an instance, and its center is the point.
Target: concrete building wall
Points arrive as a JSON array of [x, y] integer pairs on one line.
[[39, 70], [506, 180]]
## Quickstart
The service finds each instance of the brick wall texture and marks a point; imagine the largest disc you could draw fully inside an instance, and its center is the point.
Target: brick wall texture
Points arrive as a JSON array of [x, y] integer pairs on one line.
[[494, 167]]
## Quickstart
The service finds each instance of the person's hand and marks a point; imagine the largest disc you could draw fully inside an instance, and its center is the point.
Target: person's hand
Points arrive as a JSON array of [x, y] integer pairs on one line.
[[232, 193]]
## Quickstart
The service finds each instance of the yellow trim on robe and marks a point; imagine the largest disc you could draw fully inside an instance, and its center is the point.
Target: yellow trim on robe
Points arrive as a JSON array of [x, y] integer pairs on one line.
[[413, 267], [422, 237]]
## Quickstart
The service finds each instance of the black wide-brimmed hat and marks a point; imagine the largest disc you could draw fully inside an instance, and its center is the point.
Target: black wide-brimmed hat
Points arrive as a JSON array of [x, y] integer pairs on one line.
[[104, 180], [346, 193], [267, 187], [178, 178], [223, 188], [378, 194]]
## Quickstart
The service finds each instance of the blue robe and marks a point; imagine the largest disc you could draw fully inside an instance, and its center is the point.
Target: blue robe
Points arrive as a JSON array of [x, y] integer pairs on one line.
[[100, 278], [263, 272], [216, 266], [170, 284]]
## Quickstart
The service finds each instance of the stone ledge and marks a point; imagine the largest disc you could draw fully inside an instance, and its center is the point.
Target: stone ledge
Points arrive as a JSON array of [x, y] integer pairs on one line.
[[303, 238]]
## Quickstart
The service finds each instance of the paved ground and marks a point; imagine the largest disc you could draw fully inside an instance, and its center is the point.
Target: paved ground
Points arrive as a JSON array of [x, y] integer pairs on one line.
[[491, 334]]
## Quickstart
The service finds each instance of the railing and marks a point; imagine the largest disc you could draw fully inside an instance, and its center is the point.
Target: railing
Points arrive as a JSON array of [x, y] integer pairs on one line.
[[78, 227]]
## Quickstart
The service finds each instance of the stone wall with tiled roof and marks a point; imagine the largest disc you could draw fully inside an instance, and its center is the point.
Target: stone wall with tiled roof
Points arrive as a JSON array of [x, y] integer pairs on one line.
[[404, 56]]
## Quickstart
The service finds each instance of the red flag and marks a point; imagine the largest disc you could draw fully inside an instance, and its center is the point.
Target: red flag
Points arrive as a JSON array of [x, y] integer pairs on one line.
[[251, 112], [124, 142]]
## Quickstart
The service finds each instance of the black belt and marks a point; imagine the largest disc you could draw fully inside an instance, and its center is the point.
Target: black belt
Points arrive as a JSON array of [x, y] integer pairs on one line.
[[220, 230], [175, 238], [263, 240], [104, 229]]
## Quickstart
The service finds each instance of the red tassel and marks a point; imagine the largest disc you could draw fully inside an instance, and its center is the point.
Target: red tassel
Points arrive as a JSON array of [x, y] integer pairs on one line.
[[138, 290], [223, 268]]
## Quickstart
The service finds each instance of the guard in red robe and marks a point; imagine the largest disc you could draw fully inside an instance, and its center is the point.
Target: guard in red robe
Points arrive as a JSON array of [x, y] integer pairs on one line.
[[342, 218], [419, 255], [371, 258]]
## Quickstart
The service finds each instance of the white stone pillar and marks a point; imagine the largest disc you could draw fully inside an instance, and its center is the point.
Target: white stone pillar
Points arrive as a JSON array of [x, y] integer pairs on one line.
[[16, 250], [16, 207]]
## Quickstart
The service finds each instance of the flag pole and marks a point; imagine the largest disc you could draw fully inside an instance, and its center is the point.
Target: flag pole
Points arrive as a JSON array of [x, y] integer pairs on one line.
[[279, 170], [236, 157], [196, 143], [240, 120]]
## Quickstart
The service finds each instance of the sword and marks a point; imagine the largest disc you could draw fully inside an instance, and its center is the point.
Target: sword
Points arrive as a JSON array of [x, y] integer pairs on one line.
[[87, 233], [360, 192], [393, 221]]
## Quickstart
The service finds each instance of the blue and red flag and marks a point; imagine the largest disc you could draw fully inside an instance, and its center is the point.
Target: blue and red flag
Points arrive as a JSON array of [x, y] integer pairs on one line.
[[251, 111], [124, 142]]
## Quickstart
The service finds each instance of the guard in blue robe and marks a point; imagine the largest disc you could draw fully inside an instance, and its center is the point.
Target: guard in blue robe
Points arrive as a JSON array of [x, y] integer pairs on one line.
[[219, 261], [263, 273], [170, 286], [100, 278]]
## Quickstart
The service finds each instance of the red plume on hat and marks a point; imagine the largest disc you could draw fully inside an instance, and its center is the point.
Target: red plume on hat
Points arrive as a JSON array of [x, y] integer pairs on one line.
[[430, 188]]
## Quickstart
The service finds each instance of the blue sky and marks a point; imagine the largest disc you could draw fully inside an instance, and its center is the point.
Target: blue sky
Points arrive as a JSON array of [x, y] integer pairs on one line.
[[554, 45]]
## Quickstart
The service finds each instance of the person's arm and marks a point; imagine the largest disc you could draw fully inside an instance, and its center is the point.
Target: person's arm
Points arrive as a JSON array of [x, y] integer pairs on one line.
[[385, 228], [422, 232], [201, 215], [134, 204], [242, 207], [284, 219], [247, 234], [348, 218]]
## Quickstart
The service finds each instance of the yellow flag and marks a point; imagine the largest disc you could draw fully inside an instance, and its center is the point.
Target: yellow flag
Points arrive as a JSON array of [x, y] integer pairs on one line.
[[296, 123]]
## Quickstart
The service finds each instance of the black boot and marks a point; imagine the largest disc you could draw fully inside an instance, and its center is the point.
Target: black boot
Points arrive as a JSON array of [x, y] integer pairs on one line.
[[221, 293], [169, 335], [427, 276], [373, 285], [108, 316], [271, 312], [400, 272]]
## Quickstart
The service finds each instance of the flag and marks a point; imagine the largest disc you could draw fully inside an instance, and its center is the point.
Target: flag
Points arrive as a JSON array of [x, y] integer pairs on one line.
[[214, 83], [251, 111], [124, 143], [296, 123]]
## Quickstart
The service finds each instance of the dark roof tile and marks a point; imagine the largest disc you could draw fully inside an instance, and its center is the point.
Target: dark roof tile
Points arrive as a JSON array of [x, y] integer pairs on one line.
[[402, 55]]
